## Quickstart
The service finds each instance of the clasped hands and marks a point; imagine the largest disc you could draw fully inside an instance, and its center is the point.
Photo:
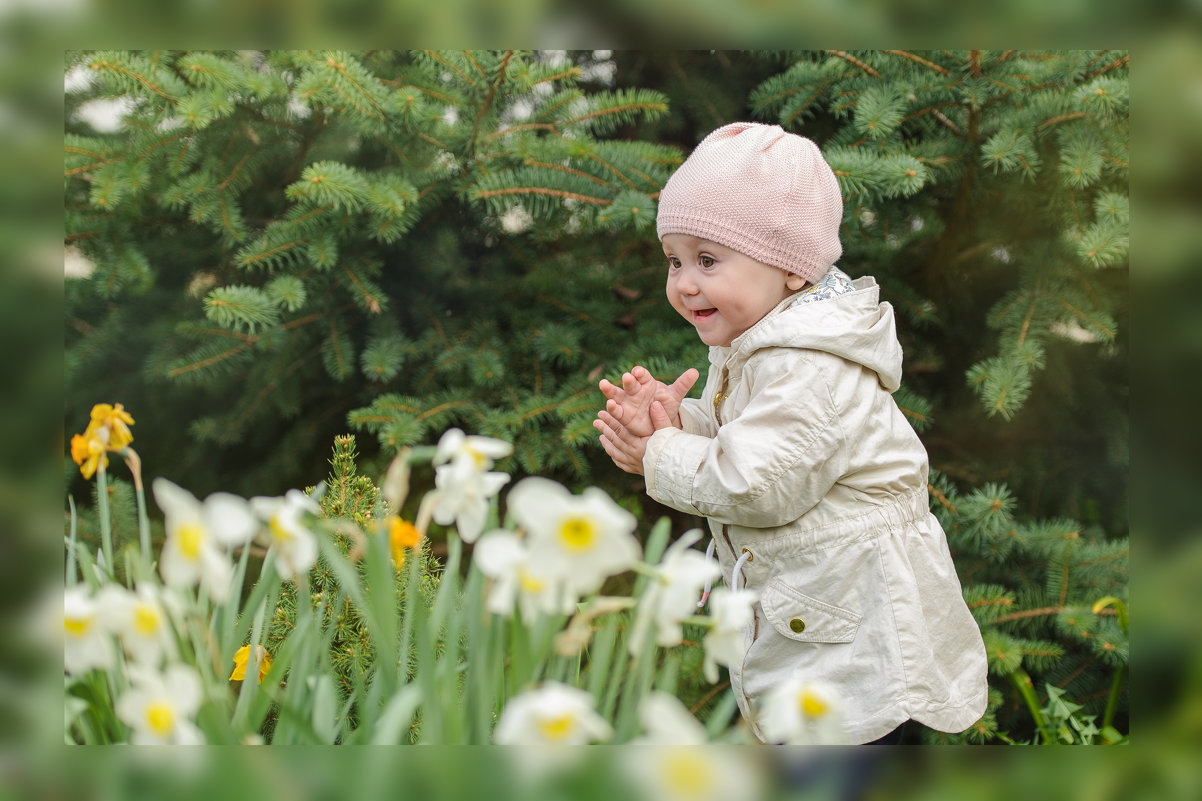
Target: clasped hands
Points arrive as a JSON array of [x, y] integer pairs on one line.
[[635, 411]]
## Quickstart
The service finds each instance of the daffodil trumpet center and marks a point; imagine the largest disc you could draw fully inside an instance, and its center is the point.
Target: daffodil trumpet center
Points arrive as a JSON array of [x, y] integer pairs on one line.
[[279, 533], [812, 705], [577, 533], [146, 619], [78, 626], [530, 583], [556, 729], [160, 717], [688, 774], [191, 539]]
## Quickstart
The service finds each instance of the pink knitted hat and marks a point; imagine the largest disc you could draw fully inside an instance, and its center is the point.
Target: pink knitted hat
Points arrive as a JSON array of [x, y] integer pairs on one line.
[[761, 191]]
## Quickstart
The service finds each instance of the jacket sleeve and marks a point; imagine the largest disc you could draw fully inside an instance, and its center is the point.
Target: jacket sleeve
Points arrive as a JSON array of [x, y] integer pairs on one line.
[[694, 419], [768, 466]]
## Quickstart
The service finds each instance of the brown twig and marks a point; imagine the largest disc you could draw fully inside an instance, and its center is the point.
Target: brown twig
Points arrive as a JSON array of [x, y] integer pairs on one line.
[[920, 60], [850, 59]]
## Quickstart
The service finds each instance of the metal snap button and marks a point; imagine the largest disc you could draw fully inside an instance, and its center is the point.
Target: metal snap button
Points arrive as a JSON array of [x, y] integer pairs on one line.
[[798, 625]]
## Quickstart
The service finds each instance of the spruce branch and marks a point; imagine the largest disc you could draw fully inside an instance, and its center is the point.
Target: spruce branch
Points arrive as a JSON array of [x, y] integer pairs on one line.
[[488, 99], [102, 64], [434, 54], [920, 60], [530, 162], [209, 361], [850, 59], [1114, 65], [538, 190]]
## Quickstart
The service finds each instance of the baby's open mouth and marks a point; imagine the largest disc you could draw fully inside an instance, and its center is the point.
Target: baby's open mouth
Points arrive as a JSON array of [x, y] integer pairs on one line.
[[702, 314]]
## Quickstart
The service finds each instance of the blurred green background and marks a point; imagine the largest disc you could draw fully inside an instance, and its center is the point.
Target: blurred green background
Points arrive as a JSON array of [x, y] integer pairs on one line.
[[1166, 349]]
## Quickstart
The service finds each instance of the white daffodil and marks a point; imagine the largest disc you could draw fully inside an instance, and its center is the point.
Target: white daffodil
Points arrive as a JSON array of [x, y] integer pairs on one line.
[[666, 721], [671, 594], [695, 773], [287, 535], [802, 712], [463, 482], [159, 707], [481, 452], [503, 556], [553, 714], [87, 643], [726, 642], [575, 540], [140, 619], [199, 536]]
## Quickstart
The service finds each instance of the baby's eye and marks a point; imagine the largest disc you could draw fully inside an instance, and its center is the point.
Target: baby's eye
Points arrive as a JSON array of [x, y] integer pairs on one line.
[[674, 262], [706, 260]]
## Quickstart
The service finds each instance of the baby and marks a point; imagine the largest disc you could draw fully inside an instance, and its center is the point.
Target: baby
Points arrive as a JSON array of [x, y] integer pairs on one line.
[[813, 483]]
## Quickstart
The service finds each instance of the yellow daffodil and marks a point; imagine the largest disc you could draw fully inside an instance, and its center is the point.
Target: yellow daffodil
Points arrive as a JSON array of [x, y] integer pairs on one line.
[[242, 658], [89, 453], [108, 430], [113, 419], [402, 536]]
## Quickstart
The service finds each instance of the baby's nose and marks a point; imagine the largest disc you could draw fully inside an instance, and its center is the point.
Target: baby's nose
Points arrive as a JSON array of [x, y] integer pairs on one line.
[[685, 284]]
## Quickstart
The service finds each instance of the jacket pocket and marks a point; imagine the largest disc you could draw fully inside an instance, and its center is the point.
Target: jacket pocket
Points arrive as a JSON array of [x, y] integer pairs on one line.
[[804, 619]]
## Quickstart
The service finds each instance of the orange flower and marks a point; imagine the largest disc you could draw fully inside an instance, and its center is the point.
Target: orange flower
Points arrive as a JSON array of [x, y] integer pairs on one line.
[[242, 657], [88, 453], [401, 535]]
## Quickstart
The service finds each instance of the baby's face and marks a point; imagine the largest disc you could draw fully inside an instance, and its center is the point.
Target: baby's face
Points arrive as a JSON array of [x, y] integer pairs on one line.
[[719, 290]]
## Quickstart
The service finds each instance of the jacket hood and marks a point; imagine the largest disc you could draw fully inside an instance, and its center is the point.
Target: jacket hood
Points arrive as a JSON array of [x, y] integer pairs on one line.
[[855, 326]]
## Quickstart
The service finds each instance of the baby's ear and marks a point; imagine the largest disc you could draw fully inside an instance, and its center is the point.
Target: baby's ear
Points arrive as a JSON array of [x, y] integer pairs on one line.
[[794, 282]]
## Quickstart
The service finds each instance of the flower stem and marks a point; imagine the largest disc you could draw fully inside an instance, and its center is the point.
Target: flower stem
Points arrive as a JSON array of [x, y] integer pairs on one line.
[[1112, 702], [1022, 682], [638, 682], [106, 529], [134, 462], [72, 544]]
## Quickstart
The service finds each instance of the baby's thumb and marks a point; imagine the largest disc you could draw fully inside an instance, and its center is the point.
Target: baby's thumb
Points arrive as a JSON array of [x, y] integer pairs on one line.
[[684, 383], [659, 416]]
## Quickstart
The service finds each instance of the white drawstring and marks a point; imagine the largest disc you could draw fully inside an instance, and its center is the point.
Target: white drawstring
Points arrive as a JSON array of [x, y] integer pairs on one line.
[[709, 583], [734, 574], [743, 559]]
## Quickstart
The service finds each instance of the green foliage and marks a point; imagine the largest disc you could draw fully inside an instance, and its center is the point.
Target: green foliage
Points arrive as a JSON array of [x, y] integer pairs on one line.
[[354, 498], [285, 189], [285, 243], [1034, 588], [1014, 115]]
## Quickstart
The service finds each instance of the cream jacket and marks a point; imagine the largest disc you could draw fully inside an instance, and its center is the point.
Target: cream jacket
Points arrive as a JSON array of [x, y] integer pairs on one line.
[[797, 453]]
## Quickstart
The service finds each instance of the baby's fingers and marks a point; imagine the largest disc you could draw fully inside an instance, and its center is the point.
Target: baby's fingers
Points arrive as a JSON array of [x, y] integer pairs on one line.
[[641, 374], [609, 390]]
